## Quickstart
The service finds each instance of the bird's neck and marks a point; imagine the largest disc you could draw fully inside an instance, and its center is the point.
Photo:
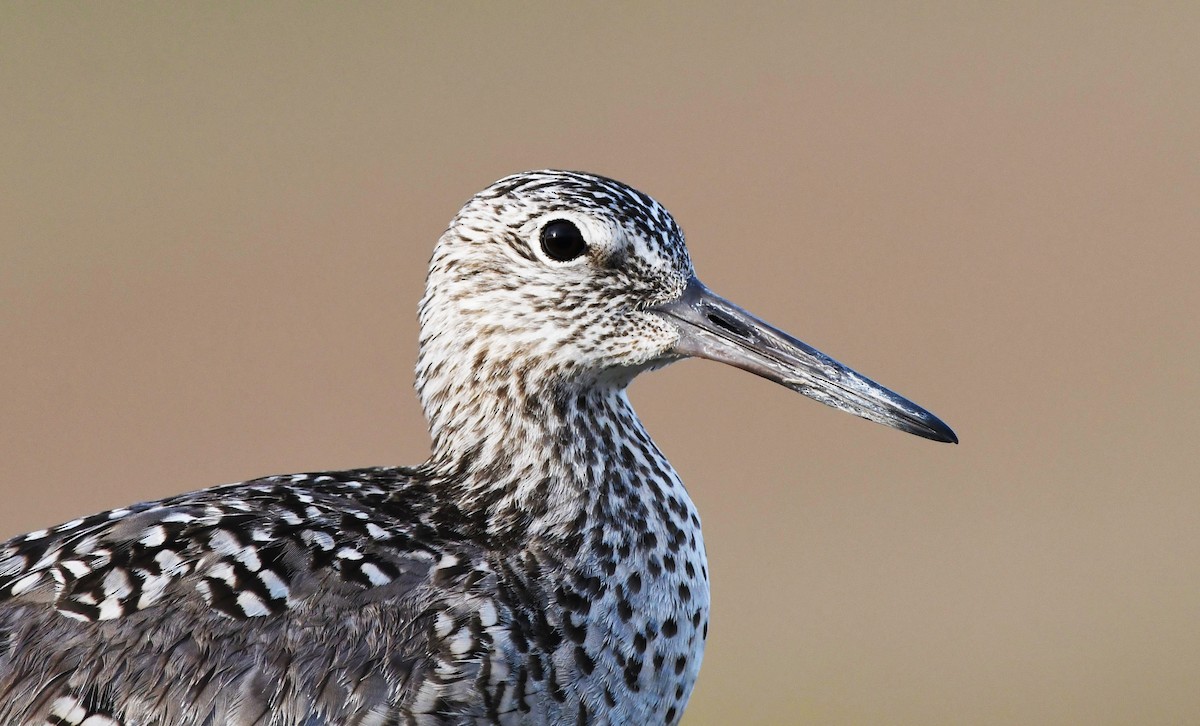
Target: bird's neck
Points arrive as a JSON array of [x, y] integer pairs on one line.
[[550, 463]]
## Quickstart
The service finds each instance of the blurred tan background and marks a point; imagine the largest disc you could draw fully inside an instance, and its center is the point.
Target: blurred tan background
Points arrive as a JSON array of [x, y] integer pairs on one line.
[[214, 222]]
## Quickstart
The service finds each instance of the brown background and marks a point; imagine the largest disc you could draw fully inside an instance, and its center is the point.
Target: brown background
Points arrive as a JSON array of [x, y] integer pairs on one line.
[[214, 222]]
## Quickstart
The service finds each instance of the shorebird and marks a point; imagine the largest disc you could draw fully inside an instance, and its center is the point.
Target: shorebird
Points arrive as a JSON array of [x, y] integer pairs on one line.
[[544, 566]]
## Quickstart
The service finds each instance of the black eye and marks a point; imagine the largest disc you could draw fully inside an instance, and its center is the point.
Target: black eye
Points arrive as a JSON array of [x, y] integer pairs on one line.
[[562, 241]]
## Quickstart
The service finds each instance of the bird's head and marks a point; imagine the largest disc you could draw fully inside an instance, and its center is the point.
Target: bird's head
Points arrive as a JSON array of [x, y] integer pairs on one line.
[[552, 280], [551, 276]]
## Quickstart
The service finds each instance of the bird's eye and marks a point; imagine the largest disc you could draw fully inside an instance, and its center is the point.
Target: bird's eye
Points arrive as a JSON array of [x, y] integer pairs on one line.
[[562, 241]]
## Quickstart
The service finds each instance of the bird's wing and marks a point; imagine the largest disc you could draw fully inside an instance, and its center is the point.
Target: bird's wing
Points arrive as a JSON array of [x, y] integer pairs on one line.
[[297, 599]]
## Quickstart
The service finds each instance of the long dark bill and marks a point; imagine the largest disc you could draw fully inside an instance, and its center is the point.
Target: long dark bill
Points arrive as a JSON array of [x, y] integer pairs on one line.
[[712, 327]]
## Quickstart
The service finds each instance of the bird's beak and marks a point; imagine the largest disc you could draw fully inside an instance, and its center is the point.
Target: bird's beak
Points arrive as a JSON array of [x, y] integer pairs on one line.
[[714, 328]]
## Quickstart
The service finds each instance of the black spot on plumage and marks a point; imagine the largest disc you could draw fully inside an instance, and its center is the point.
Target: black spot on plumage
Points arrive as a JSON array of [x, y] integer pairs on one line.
[[352, 524], [584, 661], [556, 689], [251, 583], [634, 583], [223, 598], [144, 559], [448, 573], [519, 692], [32, 550], [82, 609], [574, 541], [586, 587], [678, 538], [321, 558], [632, 671], [572, 600], [518, 637], [575, 631]]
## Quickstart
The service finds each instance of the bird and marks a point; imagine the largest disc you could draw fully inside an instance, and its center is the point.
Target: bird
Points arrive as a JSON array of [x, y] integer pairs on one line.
[[545, 564]]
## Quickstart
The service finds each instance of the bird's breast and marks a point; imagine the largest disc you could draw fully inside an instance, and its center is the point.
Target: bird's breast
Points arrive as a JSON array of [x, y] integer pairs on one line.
[[612, 632]]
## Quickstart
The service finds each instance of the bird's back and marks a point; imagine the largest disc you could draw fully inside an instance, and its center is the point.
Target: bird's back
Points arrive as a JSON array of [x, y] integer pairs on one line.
[[285, 600]]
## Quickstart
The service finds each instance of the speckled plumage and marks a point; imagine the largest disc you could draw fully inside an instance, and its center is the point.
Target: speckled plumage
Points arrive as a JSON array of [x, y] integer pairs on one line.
[[544, 566]]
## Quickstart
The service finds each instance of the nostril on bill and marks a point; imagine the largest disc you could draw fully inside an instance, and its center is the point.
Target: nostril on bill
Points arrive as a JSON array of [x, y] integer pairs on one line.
[[729, 324]]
